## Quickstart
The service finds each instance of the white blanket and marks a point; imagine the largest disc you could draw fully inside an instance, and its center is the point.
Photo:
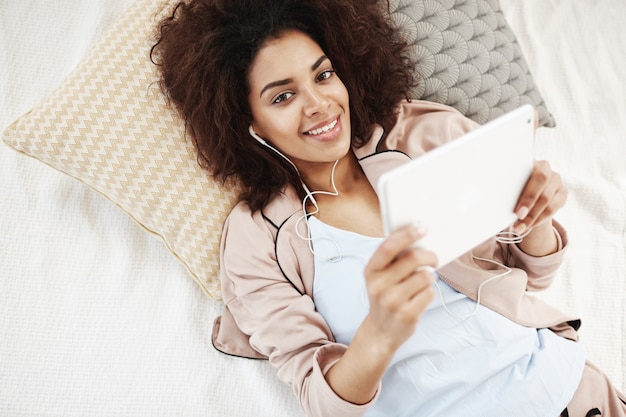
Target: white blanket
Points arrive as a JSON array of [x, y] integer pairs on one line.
[[98, 319]]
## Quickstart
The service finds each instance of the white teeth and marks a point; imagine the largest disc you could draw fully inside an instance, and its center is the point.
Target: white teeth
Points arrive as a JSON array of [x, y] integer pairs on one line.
[[324, 129]]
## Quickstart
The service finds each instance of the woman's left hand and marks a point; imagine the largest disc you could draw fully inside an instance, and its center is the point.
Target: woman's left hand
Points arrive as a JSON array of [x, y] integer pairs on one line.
[[543, 196]]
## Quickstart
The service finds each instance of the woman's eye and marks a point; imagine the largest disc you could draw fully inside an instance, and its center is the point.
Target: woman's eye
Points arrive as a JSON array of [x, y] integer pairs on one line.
[[282, 97], [324, 75]]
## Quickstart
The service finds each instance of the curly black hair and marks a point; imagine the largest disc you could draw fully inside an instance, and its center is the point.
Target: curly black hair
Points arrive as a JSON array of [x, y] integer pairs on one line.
[[204, 51]]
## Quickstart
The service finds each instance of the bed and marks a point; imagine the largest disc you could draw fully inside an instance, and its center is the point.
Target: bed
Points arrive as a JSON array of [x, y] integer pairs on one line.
[[99, 317]]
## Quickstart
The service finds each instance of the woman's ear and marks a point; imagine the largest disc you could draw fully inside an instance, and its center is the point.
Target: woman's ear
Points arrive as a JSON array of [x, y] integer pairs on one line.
[[255, 135]]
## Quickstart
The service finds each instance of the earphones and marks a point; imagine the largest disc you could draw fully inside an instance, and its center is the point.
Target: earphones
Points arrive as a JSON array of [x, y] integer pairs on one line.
[[264, 143], [506, 272], [267, 145], [256, 136], [502, 237], [309, 195]]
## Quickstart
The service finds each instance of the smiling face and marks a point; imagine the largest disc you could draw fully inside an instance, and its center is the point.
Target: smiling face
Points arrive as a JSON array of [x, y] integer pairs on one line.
[[298, 103]]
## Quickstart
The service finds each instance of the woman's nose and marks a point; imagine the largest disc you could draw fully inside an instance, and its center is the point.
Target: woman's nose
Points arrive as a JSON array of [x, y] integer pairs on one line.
[[316, 101]]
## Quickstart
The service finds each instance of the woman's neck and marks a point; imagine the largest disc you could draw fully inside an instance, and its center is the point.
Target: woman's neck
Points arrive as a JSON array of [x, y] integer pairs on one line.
[[354, 207], [344, 175]]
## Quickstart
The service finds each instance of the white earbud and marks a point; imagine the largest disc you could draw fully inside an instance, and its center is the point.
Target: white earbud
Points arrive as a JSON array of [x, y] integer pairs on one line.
[[264, 143], [257, 137]]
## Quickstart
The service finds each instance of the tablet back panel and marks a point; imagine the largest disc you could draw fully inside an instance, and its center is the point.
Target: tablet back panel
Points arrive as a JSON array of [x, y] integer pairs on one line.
[[465, 191]]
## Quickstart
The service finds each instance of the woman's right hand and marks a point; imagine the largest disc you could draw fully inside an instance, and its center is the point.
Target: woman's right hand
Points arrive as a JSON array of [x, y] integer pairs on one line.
[[399, 282]]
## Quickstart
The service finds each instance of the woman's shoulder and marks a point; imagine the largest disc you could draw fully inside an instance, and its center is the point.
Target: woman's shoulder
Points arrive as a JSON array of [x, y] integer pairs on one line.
[[425, 107], [266, 243], [423, 125], [281, 207], [431, 117], [420, 126], [255, 229]]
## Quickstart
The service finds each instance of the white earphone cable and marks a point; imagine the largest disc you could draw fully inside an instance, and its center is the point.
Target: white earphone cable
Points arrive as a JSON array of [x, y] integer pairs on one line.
[[507, 237], [309, 195]]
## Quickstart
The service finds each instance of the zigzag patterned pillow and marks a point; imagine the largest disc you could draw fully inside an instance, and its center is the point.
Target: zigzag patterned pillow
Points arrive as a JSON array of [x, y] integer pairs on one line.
[[108, 125]]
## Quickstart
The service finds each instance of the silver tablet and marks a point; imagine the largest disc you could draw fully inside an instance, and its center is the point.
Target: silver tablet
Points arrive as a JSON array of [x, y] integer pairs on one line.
[[464, 191]]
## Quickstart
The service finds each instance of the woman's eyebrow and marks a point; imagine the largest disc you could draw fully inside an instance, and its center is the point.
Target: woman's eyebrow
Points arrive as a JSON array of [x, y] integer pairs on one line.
[[275, 84], [278, 83], [318, 62]]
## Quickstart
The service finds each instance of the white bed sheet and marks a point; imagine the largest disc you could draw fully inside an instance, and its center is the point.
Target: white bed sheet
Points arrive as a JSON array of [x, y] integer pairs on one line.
[[98, 319]]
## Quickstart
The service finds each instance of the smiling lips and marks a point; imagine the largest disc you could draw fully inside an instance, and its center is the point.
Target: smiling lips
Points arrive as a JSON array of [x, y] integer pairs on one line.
[[323, 129]]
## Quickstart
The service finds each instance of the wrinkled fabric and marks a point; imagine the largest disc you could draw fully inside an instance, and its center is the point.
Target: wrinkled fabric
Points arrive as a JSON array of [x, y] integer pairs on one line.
[[267, 271]]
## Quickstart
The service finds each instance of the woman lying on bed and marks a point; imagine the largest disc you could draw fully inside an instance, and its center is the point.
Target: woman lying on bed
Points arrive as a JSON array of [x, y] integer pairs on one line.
[[304, 103]]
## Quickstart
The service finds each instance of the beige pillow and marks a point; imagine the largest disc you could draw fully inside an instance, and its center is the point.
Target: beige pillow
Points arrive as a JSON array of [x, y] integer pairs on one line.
[[108, 125]]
